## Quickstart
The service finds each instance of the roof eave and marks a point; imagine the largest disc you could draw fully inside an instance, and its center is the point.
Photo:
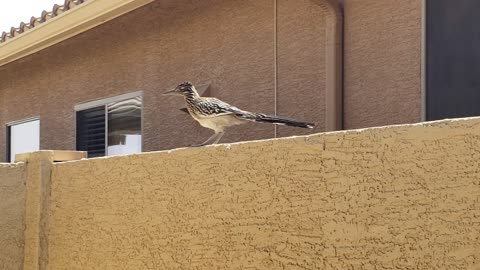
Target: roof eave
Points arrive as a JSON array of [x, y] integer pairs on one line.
[[64, 26]]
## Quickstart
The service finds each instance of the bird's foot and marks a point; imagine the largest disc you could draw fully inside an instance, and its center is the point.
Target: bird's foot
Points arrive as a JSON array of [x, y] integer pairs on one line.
[[214, 139], [197, 145]]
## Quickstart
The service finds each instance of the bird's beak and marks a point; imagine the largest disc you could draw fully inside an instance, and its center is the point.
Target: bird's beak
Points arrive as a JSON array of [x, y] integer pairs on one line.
[[169, 92]]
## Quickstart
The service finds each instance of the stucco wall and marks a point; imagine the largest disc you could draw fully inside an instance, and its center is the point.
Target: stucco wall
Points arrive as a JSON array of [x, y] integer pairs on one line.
[[401, 197], [230, 44], [382, 62], [227, 43], [12, 210]]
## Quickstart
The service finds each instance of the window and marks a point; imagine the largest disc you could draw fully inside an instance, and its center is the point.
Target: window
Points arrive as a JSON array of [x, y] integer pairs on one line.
[[452, 58], [23, 137], [110, 127]]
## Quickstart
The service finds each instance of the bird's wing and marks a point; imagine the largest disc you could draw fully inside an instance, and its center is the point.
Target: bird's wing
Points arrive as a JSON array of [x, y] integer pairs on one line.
[[212, 107]]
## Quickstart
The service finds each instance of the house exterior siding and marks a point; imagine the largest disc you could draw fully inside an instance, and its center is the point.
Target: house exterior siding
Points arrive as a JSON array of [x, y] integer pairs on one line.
[[382, 83], [254, 54]]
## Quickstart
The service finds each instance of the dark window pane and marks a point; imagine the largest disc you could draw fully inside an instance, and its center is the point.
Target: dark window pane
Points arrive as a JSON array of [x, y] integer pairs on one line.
[[453, 58], [125, 127], [91, 131]]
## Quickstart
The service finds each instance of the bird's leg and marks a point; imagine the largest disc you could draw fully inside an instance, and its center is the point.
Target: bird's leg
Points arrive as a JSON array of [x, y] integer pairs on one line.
[[220, 135], [209, 140]]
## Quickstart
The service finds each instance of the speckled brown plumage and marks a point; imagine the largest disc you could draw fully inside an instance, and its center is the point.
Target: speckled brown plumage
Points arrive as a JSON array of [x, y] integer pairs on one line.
[[217, 115]]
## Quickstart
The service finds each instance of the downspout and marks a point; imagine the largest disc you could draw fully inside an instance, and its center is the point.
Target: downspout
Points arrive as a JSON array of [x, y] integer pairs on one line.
[[333, 64], [275, 66]]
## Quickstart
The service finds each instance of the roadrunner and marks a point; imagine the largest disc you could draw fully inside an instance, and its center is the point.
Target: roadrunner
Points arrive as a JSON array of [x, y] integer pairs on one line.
[[215, 114]]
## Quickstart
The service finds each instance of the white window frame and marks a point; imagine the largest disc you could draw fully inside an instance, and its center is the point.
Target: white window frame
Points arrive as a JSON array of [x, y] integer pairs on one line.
[[8, 134], [105, 102]]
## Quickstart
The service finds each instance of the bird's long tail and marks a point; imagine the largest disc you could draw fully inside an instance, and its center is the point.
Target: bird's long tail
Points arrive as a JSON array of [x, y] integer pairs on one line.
[[258, 117]]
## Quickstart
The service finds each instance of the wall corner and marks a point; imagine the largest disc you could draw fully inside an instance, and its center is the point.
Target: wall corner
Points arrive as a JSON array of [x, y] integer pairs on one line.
[[37, 194]]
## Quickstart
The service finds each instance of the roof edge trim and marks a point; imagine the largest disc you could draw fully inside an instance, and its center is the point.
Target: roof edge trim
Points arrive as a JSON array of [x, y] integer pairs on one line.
[[64, 26]]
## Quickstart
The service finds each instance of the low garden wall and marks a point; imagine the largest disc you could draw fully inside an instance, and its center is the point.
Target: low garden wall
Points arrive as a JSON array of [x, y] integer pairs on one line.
[[12, 209], [398, 197]]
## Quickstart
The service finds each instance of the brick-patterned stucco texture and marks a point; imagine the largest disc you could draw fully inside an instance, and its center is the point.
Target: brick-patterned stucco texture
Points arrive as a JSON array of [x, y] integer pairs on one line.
[[382, 58], [227, 43], [400, 197], [12, 209]]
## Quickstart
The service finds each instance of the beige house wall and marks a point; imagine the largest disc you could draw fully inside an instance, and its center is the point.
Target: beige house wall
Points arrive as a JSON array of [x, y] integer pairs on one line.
[[243, 49], [399, 197], [382, 77], [12, 209], [227, 43]]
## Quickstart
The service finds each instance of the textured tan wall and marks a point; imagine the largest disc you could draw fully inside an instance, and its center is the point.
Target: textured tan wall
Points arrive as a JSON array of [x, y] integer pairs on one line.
[[12, 210], [401, 197], [382, 62], [228, 43], [37, 191]]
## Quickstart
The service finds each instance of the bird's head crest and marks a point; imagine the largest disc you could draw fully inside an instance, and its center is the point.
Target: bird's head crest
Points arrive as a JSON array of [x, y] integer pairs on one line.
[[186, 88]]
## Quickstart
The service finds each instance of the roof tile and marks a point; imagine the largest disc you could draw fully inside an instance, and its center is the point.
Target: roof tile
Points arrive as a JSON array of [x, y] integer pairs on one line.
[[35, 21]]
